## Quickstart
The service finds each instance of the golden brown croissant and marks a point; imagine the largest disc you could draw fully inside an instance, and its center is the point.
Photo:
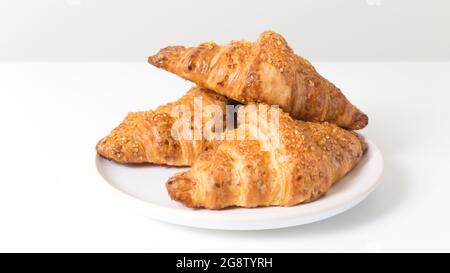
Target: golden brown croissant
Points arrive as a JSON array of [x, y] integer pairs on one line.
[[252, 172], [149, 136], [265, 71]]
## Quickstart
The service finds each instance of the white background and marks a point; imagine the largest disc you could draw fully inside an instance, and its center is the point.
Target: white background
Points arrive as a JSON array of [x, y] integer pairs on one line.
[[52, 199], [53, 113], [130, 30]]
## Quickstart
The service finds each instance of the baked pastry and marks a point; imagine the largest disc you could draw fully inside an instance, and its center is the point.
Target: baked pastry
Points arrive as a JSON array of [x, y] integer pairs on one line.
[[158, 137], [265, 71], [259, 164]]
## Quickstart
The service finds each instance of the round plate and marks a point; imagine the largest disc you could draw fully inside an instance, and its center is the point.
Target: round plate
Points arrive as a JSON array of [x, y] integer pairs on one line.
[[144, 187]]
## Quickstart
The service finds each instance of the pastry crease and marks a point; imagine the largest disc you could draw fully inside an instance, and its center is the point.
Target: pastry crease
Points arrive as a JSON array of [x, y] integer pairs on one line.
[[265, 71], [148, 136], [253, 172]]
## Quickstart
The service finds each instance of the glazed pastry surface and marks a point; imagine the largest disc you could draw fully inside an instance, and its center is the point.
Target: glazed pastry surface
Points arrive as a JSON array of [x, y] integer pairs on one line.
[[148, 136], [260, 164], [265, 71]]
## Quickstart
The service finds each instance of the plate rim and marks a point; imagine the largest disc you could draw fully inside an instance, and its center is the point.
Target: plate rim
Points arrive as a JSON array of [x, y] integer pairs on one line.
[[292, 216]]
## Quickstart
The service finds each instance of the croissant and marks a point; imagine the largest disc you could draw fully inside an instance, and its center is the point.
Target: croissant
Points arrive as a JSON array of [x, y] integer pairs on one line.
[[252, 171], [265, 71], [148, 137]]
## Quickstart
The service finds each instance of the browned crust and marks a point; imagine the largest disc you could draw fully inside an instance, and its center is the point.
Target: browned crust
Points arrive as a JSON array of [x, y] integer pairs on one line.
[[264, 71], [311, 157], [145, 137]]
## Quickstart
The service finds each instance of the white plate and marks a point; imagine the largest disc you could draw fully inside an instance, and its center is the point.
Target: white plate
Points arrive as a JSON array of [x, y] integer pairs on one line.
[[144, 187]]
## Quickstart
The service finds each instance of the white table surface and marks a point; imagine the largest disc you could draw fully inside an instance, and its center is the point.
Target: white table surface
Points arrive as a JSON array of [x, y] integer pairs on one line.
[[51, 198]]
